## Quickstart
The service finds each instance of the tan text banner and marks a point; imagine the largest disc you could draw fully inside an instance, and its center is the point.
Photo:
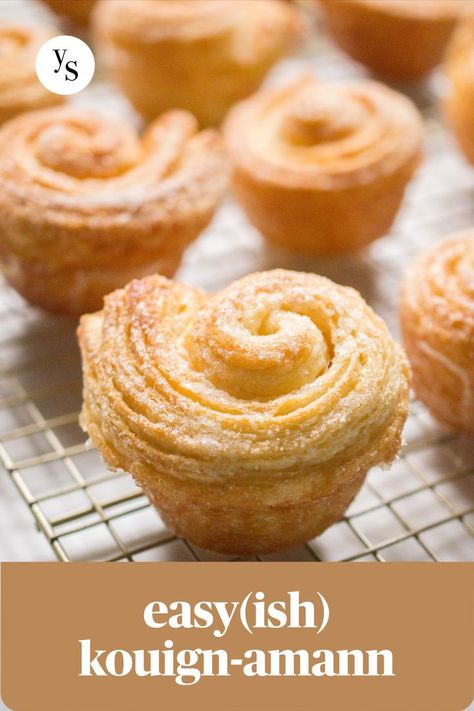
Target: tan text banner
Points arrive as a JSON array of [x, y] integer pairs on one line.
[[237, 637]]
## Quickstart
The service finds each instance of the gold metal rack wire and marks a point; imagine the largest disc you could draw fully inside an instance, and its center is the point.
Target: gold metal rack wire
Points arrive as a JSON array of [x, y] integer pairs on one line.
[[422, 509]]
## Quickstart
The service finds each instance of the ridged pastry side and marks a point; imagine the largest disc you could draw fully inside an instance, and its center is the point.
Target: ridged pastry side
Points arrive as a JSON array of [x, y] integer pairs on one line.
[[399, 39], [250, 417], [20, 88], [202, 56], [459, 69], [86, 204], [322, 167], [437, 318]]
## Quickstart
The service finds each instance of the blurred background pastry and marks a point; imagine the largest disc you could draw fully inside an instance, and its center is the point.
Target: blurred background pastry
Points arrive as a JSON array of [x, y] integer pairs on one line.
[[20, 88], [459, 69], [322, 167], [86, 204], [437, 318], [399, 39], [201, 55], [77, 11], [250, 417]]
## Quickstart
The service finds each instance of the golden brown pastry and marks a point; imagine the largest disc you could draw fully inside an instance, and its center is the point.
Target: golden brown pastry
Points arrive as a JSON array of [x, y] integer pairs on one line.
[[322, 168], [437, 318], [201, 55], [400, 39], [86, 205], [250, 417], [459, 68], [78, 11], [20, 88]]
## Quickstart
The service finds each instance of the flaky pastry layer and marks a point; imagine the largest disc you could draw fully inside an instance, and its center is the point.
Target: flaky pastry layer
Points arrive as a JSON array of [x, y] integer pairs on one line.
[[20, 88], [437, 318], [251, 416], [322, 167], [86, 204], [202, 56]]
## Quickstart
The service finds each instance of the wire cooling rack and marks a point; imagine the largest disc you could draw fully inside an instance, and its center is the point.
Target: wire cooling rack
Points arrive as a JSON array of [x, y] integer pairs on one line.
[[422, 509]]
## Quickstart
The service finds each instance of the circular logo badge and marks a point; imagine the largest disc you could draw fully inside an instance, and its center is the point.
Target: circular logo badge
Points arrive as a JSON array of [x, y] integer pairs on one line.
[[65, 65]]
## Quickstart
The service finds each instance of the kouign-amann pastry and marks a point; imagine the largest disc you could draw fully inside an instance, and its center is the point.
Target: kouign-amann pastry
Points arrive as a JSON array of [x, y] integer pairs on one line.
[[20, 88], [401, 39], [250, 417], [437, 319], [86, 205], [459, 68], [322, 168], [201, 55], [78, 11]]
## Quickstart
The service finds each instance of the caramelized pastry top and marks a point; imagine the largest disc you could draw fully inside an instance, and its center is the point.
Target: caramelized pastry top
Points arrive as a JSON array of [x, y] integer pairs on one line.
[[280, 373], [79, 170], [20, 88], [324, 135], [247, 30]]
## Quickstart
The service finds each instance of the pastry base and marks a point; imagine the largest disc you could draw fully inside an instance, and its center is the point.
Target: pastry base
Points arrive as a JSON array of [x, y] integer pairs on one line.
[[76, 292], [323, 222], [459, 109], [239, 518], [400, 46], [444, 385]]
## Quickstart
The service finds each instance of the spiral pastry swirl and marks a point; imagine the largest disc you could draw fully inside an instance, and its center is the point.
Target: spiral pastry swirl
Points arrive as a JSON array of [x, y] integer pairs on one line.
[[459, 70], [322, 168], [400, 39], [202, 56], [86, 205], [250, 417], [437, 318], [20, 89]]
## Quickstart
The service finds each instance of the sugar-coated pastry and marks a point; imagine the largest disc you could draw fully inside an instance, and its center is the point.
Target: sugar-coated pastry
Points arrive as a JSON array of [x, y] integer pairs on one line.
[[78, 11], [322, 167], [201, 56], [459, 68], [20, 88], [86, 204], [250, 417], [437, 319], [400, 39]]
